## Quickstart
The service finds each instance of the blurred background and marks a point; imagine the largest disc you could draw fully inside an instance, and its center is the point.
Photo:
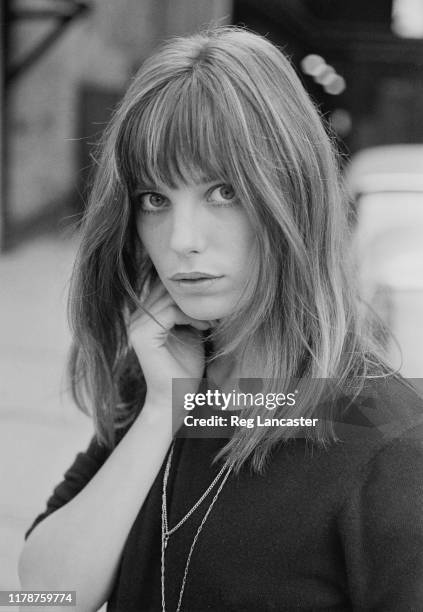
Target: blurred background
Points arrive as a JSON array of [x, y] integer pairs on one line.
[[64, 66]]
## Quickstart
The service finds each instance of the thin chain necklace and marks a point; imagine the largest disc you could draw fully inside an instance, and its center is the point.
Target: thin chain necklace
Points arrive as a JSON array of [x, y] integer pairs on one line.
[[166, 532]]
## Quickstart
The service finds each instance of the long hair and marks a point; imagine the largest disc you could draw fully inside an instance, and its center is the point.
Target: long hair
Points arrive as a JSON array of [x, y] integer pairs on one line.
[[225, 104]]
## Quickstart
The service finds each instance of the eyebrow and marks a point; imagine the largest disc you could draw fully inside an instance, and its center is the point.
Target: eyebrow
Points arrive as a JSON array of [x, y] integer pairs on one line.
[[156, 187]]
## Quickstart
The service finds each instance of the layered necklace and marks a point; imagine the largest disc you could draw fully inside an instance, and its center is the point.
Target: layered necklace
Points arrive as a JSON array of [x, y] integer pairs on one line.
[[166, 532]]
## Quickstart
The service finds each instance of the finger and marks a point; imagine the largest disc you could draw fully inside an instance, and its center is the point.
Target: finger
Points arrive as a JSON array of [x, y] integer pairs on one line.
[[153, 309], [200, 325], [166, 313], [213, 323], [150, 292], [161, 304], [154, 304], [178, 317], [154, 293]]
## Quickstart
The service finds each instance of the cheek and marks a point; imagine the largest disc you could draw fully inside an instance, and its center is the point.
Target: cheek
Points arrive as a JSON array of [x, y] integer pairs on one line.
[[152, 243], [139, 229], [148, 241], [243, 245]]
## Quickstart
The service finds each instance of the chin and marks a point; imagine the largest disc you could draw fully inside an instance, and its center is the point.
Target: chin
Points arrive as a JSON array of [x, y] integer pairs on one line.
[[203, 309]]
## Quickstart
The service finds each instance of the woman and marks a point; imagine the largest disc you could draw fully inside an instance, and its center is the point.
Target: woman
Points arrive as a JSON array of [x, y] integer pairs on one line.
[[215, 246]]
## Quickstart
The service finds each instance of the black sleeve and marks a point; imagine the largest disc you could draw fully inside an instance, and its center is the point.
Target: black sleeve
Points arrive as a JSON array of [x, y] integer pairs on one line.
[[85, 466], [382, 527]]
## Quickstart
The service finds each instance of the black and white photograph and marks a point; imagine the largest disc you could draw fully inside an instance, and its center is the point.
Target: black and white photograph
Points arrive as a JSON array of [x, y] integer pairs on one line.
[[211, 306]]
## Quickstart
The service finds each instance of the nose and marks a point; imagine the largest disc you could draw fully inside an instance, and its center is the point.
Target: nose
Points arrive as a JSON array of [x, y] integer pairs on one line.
[[188, 231]]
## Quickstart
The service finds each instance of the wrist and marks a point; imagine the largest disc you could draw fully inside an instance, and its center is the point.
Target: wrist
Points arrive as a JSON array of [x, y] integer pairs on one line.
[[156, 414]]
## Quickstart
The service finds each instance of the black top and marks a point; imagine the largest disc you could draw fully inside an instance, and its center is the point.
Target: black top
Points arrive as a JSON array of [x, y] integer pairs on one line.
[[334, 529]]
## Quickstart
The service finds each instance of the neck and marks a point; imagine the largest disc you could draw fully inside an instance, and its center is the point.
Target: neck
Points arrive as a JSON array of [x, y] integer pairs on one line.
[[221, 370], [225, 371]]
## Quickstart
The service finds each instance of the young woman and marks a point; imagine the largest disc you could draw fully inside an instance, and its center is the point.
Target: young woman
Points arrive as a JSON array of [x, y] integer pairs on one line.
[[215, 247]]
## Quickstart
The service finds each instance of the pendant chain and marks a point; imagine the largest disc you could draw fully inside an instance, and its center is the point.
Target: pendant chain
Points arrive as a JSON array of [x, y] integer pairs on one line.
[[166, 532]]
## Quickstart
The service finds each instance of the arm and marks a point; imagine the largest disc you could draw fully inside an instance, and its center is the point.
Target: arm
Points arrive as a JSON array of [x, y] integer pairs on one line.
[[382, 529], [92, 527], [79, 546]]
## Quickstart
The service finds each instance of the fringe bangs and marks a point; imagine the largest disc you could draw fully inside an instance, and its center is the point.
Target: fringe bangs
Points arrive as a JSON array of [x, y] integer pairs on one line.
[[175, 136]]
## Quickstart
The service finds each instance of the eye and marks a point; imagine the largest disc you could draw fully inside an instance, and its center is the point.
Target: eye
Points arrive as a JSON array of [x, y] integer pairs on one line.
[[150, 202], [224, 194]]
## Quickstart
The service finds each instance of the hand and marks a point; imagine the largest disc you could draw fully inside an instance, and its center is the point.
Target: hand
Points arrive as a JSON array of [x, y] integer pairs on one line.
[[163, 350]]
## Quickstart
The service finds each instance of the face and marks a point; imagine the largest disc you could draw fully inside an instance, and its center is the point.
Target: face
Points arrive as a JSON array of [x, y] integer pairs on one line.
[[198, 228]]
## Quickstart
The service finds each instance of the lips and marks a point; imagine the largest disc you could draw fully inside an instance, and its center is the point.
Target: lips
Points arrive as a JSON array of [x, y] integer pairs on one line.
[[192, 276], [195, 283]]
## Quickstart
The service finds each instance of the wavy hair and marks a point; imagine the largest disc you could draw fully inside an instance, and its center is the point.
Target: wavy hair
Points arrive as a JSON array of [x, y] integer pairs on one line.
[[225, 104]]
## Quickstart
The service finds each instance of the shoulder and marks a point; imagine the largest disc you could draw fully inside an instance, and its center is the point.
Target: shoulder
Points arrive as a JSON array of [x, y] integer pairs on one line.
[[379, 436], [380, 447], [387, 411]]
